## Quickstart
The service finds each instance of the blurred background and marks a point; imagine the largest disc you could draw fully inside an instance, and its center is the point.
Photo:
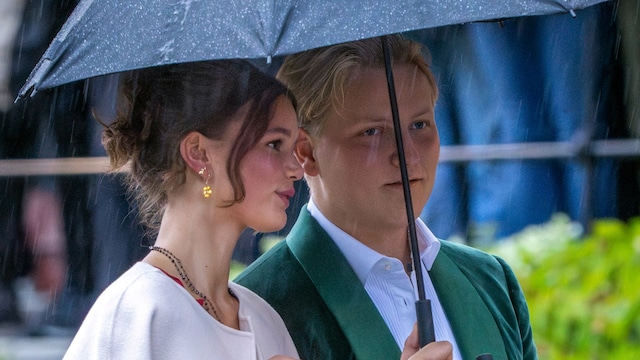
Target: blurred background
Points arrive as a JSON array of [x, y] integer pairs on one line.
[[539, 122]]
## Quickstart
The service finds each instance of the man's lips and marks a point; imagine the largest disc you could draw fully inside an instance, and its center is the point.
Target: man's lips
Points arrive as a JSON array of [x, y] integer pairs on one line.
[[411, 181]]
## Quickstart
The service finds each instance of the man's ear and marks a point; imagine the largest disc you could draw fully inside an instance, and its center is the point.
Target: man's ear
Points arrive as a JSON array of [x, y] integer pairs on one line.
[[304, 153], [193, 151]]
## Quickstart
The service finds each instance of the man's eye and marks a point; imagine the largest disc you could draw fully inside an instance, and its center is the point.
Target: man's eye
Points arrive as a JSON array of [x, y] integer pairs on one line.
[[420, 125], [371, 132]]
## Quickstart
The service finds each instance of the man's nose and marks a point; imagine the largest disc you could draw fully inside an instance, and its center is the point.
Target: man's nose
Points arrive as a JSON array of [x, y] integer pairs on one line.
[[411, 153]]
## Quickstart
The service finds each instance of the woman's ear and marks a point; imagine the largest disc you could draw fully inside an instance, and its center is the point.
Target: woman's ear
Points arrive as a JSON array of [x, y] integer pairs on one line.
[[193, 151], [304, 153]]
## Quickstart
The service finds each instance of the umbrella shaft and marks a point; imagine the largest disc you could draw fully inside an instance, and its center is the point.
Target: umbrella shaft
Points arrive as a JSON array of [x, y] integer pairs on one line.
[[426, 333], [413, 242]]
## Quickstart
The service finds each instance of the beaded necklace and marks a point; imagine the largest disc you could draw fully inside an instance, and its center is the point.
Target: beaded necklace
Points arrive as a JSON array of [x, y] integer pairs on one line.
[[206, 303]]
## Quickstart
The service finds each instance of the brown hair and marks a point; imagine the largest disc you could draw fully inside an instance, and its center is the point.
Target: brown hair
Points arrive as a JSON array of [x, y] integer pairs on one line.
[[159, 106], [318, 77]]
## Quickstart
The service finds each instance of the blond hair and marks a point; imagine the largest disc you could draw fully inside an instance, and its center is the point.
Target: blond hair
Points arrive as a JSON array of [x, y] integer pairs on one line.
[[317, 78]]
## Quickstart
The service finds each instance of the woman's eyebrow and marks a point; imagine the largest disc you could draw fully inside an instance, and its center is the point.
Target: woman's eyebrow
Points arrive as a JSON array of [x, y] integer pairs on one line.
[[279, 130]]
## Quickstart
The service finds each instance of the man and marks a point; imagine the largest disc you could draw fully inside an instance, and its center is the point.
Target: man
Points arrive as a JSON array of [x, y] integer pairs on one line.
[[340, 280]]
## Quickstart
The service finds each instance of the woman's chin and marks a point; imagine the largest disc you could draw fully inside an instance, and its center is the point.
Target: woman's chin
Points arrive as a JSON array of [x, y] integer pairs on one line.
[[269, 227]]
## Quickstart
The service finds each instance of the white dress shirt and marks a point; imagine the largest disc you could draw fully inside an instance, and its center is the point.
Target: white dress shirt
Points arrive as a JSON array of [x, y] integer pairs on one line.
[[385, 280]]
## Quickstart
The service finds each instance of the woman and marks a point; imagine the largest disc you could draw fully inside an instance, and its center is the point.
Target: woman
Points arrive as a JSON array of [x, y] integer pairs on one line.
[[210, 146]]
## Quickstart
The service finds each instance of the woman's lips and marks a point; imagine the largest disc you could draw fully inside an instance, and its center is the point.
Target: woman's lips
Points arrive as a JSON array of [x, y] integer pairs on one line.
[[286, 195]]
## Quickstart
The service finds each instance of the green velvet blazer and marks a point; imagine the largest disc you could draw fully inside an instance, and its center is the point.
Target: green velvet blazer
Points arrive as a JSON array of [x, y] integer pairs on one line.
[[330, 315]]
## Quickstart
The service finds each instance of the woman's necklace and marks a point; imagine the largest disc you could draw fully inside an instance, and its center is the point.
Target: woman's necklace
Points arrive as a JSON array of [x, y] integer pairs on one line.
[[206, 304]]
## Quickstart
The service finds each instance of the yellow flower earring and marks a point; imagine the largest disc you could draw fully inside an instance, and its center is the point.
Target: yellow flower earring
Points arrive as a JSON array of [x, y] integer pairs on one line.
[[206, 190]]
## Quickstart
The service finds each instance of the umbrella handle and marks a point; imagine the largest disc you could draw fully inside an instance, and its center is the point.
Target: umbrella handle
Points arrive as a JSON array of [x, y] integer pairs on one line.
[[426, 332]]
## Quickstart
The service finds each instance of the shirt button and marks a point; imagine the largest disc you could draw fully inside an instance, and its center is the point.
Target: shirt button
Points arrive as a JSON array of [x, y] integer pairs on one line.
[[387, 267]]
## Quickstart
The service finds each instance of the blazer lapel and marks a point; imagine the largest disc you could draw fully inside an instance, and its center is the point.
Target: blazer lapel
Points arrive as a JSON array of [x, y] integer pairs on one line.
[[341, 290], [473, 325]]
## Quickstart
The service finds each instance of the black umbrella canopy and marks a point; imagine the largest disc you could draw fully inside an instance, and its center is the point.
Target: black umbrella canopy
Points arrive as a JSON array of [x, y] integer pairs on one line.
[[109, 36]]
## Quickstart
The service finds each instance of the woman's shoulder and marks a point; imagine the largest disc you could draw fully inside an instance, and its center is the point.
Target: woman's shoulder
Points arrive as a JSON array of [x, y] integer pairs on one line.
[[140, 297], [140, 279], [142, 301], [141, 291]]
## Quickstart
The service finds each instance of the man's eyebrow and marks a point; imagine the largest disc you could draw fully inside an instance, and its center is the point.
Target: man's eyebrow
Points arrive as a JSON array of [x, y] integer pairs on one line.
[[420, 114], [371, 120]]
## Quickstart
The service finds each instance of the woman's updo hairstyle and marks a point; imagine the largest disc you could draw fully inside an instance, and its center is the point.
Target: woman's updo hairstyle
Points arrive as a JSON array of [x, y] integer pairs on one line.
[[159, 106]]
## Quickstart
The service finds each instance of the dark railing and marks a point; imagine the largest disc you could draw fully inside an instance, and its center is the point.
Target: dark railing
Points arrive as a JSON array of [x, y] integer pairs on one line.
[[624, 148], [586, 154]]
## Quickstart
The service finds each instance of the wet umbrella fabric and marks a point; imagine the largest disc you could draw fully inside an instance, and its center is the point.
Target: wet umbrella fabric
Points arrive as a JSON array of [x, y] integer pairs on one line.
[[109, 36]]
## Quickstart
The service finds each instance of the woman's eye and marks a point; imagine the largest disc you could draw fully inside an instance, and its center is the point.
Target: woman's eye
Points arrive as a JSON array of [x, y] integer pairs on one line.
[[371, 132], [275, 144]]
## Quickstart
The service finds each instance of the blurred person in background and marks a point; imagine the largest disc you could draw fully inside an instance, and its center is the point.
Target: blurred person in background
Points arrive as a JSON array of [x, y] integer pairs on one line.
[[73, 234], [546, 78], [33, 239]]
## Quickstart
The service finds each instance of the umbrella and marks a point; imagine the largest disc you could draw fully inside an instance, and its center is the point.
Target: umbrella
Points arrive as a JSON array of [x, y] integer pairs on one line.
[[109, 36]]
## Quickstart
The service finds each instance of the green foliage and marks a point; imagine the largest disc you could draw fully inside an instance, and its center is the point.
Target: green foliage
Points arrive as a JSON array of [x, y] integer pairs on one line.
[[236, 268], [266, 243], [583, 291]]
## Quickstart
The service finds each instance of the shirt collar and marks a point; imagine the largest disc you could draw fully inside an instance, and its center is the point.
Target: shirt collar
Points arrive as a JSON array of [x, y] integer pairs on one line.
[[361, 257]]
